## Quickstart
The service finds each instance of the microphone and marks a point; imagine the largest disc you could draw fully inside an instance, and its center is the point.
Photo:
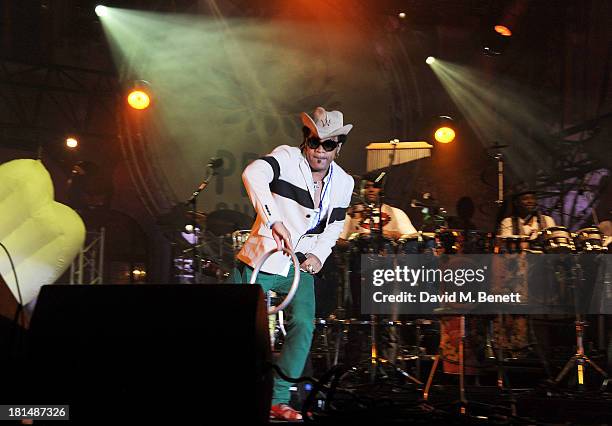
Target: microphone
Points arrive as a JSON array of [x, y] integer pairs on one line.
[[215, 163]]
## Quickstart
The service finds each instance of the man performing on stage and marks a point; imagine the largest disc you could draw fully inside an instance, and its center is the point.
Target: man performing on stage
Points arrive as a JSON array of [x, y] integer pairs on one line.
[[301, 196]]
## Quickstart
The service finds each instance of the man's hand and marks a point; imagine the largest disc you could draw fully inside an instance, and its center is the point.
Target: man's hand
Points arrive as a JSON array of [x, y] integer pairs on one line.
[[312, 264], [281, 235]]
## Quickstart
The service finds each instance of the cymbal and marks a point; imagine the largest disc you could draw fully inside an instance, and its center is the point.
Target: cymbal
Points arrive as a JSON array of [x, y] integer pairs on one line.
[[179, 216], [497, 146], [198, 217], [225, 221]]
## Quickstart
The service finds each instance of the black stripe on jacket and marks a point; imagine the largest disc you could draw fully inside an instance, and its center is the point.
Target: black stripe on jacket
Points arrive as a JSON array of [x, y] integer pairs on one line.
[[337, 214], [286, 189]]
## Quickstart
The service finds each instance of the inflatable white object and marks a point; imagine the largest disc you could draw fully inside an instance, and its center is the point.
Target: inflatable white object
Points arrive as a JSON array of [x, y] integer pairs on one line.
[[42, 236]]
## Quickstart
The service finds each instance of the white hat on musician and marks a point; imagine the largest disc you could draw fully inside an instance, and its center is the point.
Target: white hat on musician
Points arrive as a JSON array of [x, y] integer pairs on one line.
[[326, 124]]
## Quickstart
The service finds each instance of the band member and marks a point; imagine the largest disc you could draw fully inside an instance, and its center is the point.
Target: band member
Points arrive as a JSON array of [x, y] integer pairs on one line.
[[361, 222], [301, 196], [395, 222], [526, 219], [511, 331]]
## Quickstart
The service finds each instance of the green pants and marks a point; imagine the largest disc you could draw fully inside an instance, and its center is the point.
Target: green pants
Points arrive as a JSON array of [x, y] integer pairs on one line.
[[300, 325]]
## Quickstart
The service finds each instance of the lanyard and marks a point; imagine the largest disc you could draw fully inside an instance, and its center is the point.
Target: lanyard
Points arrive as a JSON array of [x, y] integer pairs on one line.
[[331, 172]]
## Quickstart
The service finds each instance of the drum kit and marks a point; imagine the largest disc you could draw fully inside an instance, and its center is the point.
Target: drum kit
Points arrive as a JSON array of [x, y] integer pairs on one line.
[[204, 245], [447, 241]]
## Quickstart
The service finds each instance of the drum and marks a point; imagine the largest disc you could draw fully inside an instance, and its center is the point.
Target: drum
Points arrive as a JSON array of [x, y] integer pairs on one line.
[[589, 240], [363, 244], [184, 272], [556, 239], [511, 244], [368, 243], [422, 243], [451, 241], [239, 237]]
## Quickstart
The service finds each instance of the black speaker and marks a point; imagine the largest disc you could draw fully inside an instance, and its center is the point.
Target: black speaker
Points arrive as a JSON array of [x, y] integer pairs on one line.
[[151, 352]]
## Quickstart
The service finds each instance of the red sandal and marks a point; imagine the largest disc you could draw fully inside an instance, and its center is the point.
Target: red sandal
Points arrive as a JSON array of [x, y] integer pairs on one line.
[[284, 412]]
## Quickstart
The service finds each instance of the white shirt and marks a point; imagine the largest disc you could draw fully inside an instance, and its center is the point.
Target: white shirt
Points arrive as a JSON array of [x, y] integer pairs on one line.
[[399, 222], [529, 229]]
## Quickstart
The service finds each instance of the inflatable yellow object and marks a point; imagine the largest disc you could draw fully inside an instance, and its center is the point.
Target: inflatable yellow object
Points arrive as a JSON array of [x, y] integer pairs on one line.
[[42, 236]]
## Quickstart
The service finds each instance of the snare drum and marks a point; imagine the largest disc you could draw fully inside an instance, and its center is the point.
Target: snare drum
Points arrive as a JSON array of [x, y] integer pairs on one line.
[[556, 239], [589, 240]]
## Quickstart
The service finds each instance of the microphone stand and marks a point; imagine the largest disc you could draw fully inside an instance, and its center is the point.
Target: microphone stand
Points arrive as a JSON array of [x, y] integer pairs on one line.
[[192, 202], [376, 231]]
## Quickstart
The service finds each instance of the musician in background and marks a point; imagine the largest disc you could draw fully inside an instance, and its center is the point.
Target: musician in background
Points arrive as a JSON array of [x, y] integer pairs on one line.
[[527, 219], [511, 331], [359, 221]]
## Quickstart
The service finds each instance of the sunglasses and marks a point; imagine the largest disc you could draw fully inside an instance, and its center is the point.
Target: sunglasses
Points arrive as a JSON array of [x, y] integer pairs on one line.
[[328, 145]]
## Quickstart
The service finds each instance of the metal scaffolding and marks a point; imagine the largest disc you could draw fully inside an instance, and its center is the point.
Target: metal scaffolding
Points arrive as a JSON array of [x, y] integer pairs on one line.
[[88, 266], [41, 104]]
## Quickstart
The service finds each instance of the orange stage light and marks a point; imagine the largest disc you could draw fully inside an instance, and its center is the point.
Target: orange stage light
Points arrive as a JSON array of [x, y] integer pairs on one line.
[[444, 134], [138, 99], [503, 30]]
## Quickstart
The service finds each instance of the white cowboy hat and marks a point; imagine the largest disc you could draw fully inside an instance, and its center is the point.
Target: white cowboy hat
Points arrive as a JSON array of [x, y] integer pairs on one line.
[[326, 124]]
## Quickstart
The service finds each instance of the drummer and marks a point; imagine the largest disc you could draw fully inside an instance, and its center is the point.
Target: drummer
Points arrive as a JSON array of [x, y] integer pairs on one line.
[[527, 219], [395, 222], [358, 223]]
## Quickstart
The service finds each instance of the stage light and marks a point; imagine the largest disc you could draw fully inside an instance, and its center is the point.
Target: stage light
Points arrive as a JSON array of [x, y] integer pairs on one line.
[[402, 15], [444, 134], [72, 142], [496, 41], [101, 11], [444, 131], [138, 99], [430, 60], [502, 30], [139, 95]]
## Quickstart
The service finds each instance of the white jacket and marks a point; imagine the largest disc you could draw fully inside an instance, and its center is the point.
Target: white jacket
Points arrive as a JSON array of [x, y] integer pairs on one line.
[[281, 188]]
